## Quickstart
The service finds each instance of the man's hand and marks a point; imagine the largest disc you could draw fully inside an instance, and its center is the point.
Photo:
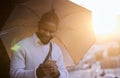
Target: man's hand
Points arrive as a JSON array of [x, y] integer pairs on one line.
[[43, 70], [48, 69], [53, 68]]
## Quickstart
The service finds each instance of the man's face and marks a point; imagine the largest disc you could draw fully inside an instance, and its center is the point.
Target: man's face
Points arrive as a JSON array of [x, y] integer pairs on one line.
[[46, 31]]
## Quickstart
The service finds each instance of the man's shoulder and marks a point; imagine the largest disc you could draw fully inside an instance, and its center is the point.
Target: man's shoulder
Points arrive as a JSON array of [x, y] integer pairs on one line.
[[25, 40]]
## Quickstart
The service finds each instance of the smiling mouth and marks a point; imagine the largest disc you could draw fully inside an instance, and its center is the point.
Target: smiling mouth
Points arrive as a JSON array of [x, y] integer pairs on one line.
[[46, 39]]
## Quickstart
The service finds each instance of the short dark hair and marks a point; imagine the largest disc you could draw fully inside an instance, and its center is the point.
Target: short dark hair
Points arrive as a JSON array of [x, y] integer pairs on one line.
[[50, 16]]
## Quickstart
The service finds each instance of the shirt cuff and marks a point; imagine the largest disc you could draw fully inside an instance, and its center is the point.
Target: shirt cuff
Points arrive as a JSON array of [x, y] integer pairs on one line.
[[35, 73]]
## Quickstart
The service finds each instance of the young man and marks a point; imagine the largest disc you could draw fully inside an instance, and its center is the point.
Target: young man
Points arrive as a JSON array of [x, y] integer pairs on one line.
[[28, 60]]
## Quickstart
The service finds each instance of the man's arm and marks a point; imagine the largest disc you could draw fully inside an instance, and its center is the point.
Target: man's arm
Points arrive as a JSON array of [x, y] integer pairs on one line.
[[17, 67]]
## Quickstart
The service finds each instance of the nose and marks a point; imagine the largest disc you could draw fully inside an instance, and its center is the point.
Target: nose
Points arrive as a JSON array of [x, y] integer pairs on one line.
[[47, 33], [50, 34]]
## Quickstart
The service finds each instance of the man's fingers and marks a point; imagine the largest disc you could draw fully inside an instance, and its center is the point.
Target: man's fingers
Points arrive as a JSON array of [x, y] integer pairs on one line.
[[52, 62], [49, 67]]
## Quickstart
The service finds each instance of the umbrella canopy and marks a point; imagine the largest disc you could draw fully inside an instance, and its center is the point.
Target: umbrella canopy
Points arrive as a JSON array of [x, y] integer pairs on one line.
[[75, 29]]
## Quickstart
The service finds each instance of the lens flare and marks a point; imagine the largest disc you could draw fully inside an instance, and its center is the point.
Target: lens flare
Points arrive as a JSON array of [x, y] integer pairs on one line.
[[15, 48]]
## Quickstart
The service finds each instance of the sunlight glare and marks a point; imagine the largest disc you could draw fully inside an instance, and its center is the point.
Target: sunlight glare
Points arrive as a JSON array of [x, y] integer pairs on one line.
[[104, 15], [104, 24]]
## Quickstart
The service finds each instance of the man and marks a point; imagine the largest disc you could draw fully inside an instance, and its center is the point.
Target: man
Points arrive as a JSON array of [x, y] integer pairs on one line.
[[28, 59]]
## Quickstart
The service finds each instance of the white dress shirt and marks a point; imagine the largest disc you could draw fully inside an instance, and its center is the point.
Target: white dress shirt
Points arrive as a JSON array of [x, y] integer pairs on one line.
[[29, 54]]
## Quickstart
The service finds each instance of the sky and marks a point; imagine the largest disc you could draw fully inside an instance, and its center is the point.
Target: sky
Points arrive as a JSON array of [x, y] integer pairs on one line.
[[105, 15]]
